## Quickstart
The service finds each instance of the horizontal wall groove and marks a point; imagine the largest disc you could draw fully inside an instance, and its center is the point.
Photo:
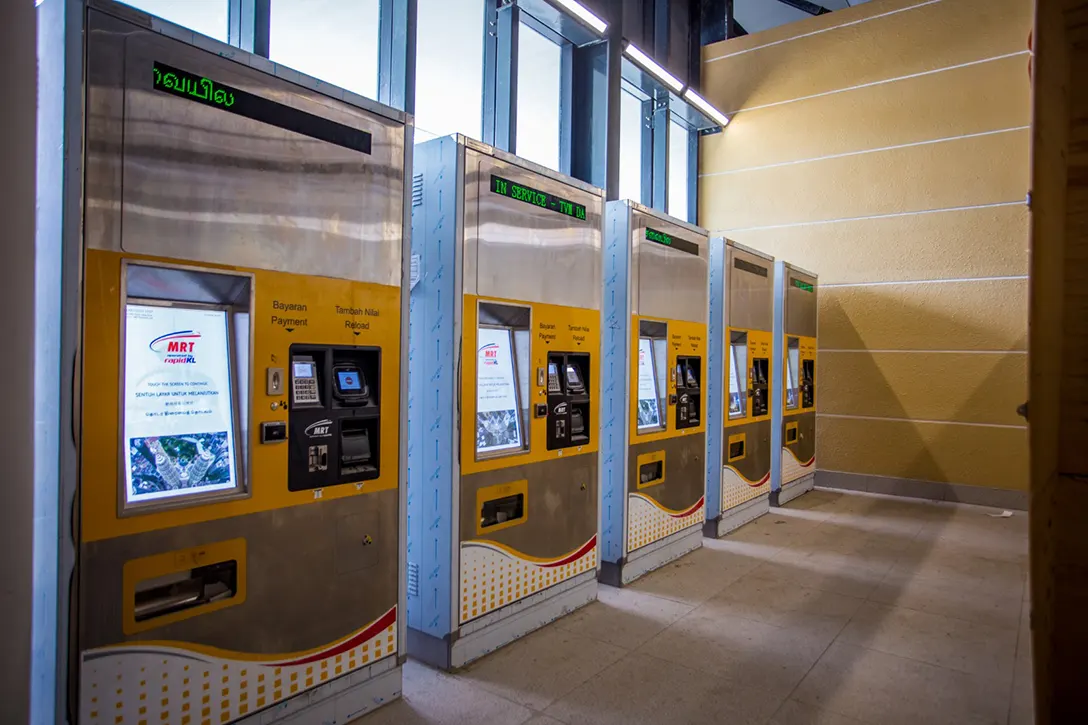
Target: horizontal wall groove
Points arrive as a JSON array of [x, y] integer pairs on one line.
[[823, 30], [839, 220], [945, 280], [894, 79], [862, 152], [920, 351], [920, 420]]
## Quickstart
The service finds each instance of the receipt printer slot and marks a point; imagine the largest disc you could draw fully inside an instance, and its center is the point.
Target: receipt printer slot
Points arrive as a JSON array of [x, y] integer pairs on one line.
[[356, 455]]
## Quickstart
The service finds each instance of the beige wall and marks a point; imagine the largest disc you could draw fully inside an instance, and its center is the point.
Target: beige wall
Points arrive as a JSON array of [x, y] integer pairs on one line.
[[886, 148]]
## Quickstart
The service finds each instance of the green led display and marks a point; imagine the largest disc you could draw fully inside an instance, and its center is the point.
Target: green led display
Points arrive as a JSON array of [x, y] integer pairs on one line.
[[544, 200], [683, 245], [801, 285], [196, 87], [660, 237], [205, 91]]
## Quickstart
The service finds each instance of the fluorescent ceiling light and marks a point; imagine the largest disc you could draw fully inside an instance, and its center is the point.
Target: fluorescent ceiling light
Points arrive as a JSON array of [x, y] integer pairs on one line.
[[703, 105], [647, 63], [582, 13]]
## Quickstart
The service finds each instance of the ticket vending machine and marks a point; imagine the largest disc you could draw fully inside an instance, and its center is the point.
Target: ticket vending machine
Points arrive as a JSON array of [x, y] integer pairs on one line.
[[742, 363], [241, 377], [653, 425], [504, 403], [793, 429]]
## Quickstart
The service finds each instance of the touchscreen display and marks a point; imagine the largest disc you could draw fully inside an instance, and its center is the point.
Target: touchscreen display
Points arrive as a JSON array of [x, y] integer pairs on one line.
[[179, 417], [649, 414], [349, 380], [498, 422]]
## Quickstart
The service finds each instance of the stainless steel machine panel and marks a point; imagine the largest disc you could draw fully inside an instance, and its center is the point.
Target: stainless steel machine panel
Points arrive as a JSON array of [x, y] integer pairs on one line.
[[197, 182], [670, 284], [750, 295], [801, 306], [516, 251]]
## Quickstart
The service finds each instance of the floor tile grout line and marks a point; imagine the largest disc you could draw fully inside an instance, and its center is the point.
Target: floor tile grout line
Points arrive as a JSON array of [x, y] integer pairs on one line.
[[1016, 655], [817, 662]]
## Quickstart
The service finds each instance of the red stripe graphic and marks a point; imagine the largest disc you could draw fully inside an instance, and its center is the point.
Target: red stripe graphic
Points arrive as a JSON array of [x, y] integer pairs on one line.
[[378, 626], [698, 505], [586, 548]]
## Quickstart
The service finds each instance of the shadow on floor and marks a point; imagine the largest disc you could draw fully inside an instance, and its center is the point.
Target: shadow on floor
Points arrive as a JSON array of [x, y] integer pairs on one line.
[[839, 608]]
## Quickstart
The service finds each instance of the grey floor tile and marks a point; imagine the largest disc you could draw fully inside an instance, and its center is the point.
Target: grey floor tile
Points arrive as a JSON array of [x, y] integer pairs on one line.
[[796, 713], [539, 719], [956, 644], [883, 688], [816, 500], [696, 577], [784, 603], [543, 666], [971, 571], [432, 698], [770, 532], [1022, 708], [861, 609], [645, 690], [839, 574], [711, 640], [948, 597], [624, 617]]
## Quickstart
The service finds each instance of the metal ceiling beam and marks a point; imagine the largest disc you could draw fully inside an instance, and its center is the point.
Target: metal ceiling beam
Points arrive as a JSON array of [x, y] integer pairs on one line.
[[806, 7]]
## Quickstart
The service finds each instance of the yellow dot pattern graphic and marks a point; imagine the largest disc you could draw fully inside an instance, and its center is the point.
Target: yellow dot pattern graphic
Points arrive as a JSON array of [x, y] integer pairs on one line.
[[647, 522], [792, 468], [492, 578], [155, 685], [735, 490]]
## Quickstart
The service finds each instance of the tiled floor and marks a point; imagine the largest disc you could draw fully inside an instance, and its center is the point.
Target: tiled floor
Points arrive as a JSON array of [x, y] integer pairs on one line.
[[840, 609]]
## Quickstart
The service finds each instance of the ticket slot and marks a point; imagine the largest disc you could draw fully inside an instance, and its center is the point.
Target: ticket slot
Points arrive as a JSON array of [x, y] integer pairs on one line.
[[175, 592]]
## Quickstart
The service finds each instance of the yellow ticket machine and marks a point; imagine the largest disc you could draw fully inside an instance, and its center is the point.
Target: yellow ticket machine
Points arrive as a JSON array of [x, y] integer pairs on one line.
[[504, 403], [793, 439], [741, 395], [653, 428], [241, 380]]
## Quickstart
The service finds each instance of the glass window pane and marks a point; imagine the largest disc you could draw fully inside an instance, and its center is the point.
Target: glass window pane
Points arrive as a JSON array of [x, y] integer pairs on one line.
[[333, 40], [679, 138], [630, 146], [540, 75], [449, 68], [207, 17]]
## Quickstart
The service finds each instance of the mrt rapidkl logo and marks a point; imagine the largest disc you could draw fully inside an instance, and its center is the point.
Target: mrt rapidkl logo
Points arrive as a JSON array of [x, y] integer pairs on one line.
[[176, 348], [490, 354]]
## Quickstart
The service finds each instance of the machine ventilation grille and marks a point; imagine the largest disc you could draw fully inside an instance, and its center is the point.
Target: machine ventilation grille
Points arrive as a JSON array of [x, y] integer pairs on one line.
[[417, 189], [413, 577]]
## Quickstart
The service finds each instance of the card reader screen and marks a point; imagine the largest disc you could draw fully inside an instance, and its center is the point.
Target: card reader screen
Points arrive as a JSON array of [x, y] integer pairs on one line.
[[349, 380], [304, 370], [572, 376]]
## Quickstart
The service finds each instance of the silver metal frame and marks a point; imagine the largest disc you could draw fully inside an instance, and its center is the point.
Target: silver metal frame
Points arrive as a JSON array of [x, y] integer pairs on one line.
[[172, 30], [634, 228], [402, 453], [244, 488], [526, 443]]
